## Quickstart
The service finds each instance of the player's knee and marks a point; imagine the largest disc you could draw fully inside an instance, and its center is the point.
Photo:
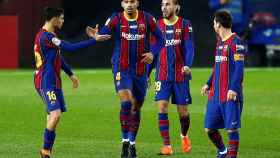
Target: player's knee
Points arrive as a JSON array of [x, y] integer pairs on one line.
[[125, 95], [206, 130], [163, 110], [209, 131], [136, 107], [183, 111], [163, 107], [55, 117]]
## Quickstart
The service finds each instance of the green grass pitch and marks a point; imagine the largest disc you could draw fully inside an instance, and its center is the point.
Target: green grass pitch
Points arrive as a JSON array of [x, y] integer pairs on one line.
[[90, 128]]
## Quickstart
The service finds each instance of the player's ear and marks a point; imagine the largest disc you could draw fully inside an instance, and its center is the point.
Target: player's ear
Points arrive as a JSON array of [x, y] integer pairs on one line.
[[122, 4], [218, 25], [137, 3], [54, 20]]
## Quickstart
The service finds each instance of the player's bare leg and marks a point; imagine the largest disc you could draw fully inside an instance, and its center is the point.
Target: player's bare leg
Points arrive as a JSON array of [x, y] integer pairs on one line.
[[49, 136], [216, 138], [163, 124], [125, 111], [185, 124]]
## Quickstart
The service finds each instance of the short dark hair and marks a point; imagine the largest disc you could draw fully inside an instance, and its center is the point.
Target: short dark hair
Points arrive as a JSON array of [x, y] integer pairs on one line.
[[50, 13], [224, 18]]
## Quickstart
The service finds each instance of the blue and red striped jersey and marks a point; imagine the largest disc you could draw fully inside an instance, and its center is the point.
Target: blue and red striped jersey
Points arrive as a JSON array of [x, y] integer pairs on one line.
[[132, 40], [178, 51], [49, 60], [228, 69]]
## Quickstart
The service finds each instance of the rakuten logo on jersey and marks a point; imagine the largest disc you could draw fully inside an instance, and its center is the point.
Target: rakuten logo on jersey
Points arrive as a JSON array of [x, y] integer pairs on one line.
[[219, 59], [132, 37], [172, 42]]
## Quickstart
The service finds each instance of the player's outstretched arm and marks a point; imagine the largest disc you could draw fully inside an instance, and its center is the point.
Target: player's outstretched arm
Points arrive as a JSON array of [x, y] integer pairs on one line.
[[70, 47], [93, 32]]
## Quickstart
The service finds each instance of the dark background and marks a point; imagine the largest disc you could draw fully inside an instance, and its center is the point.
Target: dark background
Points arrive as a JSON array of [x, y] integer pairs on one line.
[[79, 14]]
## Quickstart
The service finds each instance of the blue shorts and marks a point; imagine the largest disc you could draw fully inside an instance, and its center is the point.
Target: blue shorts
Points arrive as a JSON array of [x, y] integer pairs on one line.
[[136, 84], [180, 92], [223, 115], [53, 98]]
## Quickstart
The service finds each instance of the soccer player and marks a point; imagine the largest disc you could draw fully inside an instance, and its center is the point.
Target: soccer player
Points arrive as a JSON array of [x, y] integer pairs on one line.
[[49, 63], [132, 29], [224, 88], [173, 72]]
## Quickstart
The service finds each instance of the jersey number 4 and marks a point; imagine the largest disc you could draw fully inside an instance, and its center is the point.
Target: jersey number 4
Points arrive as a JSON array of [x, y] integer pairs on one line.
[[38, 59]]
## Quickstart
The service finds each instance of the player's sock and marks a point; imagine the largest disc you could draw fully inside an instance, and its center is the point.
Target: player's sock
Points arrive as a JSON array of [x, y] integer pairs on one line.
[[233, 144], [163, 124], [124, 119], [49, 137], [185, 124], [217, 139], [134, 126], [54, 135]]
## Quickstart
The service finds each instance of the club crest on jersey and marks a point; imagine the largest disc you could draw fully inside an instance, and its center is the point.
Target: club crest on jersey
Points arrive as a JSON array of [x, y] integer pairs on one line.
[[178, 31], [132, 37], [225, 47], [172, 42], [142, 26], [219, 59]]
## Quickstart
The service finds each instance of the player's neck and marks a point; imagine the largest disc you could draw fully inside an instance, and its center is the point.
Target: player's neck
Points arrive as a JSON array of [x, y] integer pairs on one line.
[[132, 16], [225, 34], [171, 20], [49, 27]]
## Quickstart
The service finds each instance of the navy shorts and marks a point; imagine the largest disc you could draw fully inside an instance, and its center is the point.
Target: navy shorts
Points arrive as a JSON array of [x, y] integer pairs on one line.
[[178, 91], [223, 115], [136, 84], [53, 98]]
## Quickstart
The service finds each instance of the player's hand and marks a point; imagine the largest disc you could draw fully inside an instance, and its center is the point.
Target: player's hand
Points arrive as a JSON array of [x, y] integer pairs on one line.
[[75, 81], [93, 32], [231, 95], [186, 70], [148, 58], [205, 90]]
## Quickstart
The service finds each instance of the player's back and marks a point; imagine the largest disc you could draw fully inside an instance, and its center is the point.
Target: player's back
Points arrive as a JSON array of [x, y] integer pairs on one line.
[[47, 60]]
